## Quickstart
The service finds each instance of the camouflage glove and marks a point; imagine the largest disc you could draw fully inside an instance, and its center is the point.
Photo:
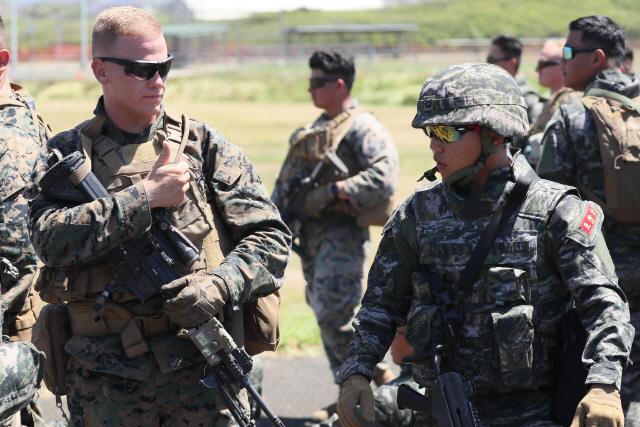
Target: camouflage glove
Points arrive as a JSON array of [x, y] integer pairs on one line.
[[600, 407], [356, 392], [317, 199], [193, 300]]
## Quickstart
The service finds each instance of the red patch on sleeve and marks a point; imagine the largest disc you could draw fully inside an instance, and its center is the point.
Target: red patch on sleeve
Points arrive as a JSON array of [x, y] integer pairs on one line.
[[589, 220]]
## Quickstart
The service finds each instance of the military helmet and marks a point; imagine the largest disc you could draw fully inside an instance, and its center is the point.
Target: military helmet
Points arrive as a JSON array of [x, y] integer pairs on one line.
[[21, 370], [466, 94]]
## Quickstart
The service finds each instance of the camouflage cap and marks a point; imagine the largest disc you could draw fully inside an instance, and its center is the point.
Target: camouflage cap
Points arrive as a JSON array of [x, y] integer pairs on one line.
[[466, 94]]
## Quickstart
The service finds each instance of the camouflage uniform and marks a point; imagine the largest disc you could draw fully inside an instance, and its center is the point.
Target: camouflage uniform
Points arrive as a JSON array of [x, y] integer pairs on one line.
[[571, 155], [334, 248], [549, 253], [532, 149], [532, 98], [161, 385], [22, 133]]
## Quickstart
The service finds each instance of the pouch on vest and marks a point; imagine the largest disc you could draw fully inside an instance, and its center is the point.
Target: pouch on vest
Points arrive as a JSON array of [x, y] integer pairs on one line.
[[617, 120], [50, 333]]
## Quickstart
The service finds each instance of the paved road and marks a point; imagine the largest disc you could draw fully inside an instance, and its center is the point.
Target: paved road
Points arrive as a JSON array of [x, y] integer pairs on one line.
[[293, 387]]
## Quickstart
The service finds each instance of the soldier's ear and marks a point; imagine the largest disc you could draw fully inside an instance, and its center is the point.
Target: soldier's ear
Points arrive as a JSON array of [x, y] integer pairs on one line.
[[5, 57], [599, 59], [99, 71]]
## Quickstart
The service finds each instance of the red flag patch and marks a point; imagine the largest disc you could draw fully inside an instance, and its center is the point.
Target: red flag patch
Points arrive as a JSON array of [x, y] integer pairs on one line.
[[589, 220]]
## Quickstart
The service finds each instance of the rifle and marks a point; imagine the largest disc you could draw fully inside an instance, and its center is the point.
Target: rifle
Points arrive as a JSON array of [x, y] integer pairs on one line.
[[153, 259], [228, 365], [445, 401], [291, 213]]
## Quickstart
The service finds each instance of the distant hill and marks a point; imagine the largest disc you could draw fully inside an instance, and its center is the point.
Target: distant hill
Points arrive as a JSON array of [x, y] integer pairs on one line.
[[47, 22]]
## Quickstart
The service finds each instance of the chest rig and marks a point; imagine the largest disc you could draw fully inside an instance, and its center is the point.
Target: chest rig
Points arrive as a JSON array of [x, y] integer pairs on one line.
[[487, 327], [119, 166]]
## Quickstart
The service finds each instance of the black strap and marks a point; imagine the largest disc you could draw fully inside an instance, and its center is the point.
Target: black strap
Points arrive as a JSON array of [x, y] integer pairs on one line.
[[514, 201]]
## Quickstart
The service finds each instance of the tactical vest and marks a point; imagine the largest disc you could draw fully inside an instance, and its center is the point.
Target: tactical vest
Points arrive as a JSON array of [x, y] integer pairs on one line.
[[308, 146], [117, 167], [493, 324]]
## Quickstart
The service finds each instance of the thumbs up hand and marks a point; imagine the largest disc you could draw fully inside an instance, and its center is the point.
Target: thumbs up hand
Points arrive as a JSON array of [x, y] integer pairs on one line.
[[167, 183]]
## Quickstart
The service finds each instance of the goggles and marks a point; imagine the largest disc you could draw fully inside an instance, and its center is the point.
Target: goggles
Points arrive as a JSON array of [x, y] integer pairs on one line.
[[318, 82], [570, 52], [545, 64], [449, 134], [142, 70]]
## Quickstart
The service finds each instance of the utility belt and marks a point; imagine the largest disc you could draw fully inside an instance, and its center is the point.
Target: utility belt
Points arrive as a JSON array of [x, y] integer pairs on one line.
[[115, 319]]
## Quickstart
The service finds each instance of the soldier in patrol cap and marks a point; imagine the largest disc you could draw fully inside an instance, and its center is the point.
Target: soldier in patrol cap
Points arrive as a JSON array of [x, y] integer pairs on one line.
[[498, 326], [128, 365], [22, 133]]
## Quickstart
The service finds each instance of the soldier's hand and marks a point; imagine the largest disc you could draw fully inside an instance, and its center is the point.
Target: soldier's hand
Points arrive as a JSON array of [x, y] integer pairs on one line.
[[600, 407], [317, 199], [193, 300], [167, 183], [355, 402]]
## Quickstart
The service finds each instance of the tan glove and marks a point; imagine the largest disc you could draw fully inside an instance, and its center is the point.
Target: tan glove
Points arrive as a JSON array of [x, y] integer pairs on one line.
[[356, 392], [317, 199], [600, 407], [193, 300]]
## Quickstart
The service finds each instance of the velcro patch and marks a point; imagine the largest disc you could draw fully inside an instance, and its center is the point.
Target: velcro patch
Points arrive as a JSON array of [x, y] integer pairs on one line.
[[589, 220]]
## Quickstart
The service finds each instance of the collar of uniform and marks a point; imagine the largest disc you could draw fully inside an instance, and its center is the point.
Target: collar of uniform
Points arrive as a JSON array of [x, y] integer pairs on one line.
[[324, 117], [612, 79], [123, 137], [467, 205]]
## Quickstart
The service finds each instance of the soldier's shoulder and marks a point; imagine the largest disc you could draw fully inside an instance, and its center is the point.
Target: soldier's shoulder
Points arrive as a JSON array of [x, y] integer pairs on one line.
[[365, 121], [580, 220], [543, 197], [231, 162]]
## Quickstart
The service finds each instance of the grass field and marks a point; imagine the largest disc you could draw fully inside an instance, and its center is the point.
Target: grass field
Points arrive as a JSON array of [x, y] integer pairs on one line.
[[262, 130]]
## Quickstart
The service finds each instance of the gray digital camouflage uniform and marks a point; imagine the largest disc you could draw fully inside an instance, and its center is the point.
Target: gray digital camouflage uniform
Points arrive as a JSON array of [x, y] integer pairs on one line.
[[533, 143], [161, 385], [334, 248], [22, 133], [550, 252], [571, 155]]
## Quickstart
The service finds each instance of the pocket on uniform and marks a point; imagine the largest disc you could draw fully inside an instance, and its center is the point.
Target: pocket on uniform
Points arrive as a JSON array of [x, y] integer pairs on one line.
[[509, 286], [425, 323], [513, 335]]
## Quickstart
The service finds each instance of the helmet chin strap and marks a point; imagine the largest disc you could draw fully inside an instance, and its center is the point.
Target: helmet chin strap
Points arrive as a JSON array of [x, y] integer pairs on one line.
[[465, 175]]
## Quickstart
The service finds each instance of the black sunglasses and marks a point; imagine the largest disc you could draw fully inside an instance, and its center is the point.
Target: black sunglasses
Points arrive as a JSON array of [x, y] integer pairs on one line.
[[544, 64], [569, 52], [142, 70], [318, 82]]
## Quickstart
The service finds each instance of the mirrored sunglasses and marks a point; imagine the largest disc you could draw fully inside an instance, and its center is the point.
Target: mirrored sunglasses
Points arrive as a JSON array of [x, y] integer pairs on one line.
[[570, 52], [449, 134], [545, 64], [142, 70], [318, 82]]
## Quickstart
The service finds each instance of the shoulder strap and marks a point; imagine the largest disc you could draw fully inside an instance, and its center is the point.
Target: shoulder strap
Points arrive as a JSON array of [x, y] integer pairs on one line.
[[514, 201], [626, 101]]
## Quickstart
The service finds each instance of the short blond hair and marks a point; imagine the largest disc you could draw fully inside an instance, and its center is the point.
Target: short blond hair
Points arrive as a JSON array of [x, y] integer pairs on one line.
[[122, 21], [552, 48]]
